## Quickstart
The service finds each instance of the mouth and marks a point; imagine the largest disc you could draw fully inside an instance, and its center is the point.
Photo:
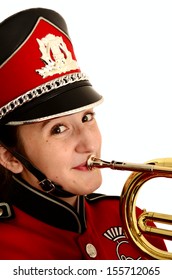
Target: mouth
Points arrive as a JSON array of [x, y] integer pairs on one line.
[[82, 167]]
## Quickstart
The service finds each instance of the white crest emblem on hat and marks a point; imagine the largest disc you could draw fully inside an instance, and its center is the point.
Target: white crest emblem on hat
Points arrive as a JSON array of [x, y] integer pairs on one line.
[[57, 58]]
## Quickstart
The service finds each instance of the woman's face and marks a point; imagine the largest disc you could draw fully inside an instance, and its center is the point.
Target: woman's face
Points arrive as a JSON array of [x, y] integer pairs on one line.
[[59, 148]]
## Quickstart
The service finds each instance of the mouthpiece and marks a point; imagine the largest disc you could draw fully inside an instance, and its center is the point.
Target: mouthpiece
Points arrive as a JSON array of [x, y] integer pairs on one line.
[[94, 162]]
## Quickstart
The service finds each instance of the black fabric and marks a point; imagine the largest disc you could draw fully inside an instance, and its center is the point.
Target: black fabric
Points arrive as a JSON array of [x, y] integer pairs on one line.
[[15, 29], [47, 208]]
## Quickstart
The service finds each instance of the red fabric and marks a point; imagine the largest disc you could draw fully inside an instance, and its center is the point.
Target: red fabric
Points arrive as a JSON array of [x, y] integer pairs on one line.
[[25, 237], [19, 72]]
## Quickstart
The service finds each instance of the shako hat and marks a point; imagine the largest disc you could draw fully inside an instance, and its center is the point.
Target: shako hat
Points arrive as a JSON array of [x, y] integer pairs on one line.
[[39, 74]]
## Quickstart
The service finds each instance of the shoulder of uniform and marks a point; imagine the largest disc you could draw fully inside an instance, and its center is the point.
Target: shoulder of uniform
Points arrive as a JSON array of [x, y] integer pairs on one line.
[[98, 196]]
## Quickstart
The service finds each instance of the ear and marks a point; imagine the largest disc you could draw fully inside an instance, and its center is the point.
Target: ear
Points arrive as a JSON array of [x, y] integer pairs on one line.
[[9, 161]]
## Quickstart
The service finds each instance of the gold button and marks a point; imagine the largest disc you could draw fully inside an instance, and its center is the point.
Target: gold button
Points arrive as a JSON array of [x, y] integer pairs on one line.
[[91, 250]]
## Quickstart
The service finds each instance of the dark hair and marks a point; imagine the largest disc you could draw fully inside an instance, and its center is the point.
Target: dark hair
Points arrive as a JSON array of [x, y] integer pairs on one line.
[[8, 135], [8, 138]]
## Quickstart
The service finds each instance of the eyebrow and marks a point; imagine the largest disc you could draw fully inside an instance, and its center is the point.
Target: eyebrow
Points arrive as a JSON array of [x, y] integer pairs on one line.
[[44, 123]]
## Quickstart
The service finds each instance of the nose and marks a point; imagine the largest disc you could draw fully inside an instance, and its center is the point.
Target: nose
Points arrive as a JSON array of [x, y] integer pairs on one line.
[[88, 141]]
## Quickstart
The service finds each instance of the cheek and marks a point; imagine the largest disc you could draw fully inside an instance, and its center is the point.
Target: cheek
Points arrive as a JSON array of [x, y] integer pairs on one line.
[[100, 138], [53, 160], [36, 152], [97, 136]]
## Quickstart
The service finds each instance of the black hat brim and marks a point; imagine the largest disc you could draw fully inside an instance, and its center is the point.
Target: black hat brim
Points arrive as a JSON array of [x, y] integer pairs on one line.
[[64, 101]]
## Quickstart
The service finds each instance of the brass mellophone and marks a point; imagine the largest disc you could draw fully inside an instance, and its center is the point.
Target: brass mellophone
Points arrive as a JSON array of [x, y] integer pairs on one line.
[[134, 226]]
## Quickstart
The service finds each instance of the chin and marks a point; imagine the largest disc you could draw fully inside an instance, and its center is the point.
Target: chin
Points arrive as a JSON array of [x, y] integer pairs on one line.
[[84, 185], [89, 187]]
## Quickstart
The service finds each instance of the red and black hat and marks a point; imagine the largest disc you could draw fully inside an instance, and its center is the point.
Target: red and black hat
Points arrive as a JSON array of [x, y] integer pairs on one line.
[[39, 74]]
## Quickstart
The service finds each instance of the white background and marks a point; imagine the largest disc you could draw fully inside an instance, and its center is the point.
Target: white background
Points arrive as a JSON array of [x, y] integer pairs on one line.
[[125, 47]]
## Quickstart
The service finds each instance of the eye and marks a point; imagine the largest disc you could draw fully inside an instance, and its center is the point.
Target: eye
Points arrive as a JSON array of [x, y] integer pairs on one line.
[[58, 129], [88, 117]]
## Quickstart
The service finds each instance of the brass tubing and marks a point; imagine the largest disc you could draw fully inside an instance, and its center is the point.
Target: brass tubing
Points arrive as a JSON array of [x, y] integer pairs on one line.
[[94, 162], [146, 217]]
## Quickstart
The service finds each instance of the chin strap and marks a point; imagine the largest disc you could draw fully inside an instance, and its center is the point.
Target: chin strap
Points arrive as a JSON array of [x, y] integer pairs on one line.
[[47, 185]]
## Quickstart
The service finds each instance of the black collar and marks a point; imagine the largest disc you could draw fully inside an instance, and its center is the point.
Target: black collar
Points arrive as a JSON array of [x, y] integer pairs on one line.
[[48, 208]]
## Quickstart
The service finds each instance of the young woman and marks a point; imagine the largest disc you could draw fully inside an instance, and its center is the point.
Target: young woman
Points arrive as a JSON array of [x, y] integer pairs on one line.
[[48, 130]]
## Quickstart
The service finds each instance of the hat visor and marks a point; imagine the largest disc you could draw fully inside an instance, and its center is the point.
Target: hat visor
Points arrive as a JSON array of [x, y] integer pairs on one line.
[[68, 100]]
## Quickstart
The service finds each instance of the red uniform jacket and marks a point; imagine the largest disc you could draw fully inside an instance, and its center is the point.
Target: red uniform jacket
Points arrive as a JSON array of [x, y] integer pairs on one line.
[[43, 227]]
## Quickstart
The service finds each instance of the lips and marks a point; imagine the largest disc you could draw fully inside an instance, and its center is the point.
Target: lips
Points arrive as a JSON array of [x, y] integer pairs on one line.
[[82, 166]]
